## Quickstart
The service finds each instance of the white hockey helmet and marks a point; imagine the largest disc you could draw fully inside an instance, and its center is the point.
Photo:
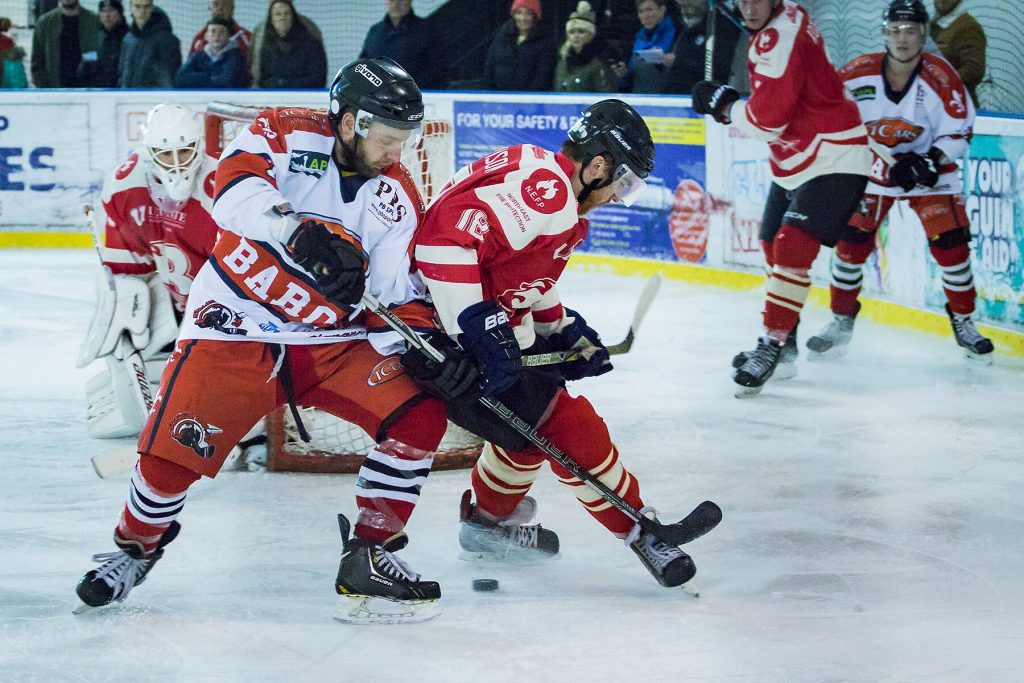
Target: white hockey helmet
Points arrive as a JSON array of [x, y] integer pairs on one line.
[[174, 139]]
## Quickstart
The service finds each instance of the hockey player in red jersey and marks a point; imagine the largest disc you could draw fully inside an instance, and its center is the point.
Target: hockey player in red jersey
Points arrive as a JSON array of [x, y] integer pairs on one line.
[[159, 232], [918, 112], [314, 208], [819, 161], [490, 250]]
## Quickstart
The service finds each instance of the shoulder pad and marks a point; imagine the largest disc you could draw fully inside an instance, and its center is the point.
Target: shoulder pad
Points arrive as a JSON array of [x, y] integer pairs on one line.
[[942, 78], [865, 65], [773, 45], [130, 173]]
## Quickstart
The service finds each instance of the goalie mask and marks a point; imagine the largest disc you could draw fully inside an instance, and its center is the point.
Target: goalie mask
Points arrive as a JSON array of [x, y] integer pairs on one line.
[[615, 129], [174, 142]]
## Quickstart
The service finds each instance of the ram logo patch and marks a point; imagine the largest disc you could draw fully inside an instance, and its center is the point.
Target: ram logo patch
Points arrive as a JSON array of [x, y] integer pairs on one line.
[[309, 162]]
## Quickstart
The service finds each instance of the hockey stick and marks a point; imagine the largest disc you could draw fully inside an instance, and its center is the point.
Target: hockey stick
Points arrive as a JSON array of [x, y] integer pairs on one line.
[[701, 520], [709, 41], [112, 463], [646, 298]]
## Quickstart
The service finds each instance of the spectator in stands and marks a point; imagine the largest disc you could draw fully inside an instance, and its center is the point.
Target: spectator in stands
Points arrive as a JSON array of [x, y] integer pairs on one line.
[[581, 66], [220, 64], [261, 30], [652, 56], [61, 36], [962, 41], [41, 7], [408, 40], [688, 65], [290, 56], [99, 69], [617, 23], [225, 9], [521, 56], [150, 52], [12, 75]]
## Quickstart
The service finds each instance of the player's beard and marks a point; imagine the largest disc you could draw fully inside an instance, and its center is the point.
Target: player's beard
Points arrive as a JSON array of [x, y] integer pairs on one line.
[[352, 160]]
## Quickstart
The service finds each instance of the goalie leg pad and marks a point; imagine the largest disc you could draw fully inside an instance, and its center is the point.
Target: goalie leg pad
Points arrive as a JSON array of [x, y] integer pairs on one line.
[[117, 399]]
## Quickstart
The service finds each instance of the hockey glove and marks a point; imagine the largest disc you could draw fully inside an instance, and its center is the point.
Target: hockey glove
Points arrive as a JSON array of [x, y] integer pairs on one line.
[[486, 334], [449, 379], [715, 99], [336, 264], [911, 170], [593, 359]]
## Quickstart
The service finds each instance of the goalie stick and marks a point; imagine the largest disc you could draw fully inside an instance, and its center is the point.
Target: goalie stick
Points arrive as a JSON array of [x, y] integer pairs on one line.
[[646, 298], [700, 521]]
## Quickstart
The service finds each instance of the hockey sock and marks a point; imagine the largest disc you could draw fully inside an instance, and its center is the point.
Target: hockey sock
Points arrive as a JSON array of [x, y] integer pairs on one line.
[[156, 497], [794, 251], [957, 278], [848, 275], [394, 471], [501, 479], [766, 247]]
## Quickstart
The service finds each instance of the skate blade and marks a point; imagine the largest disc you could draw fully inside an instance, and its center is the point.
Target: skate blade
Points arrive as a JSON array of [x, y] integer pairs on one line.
[[978, 358], [747, 392], [370, 609], [83, 608], [690, 588], [831, 353], [785, 371]]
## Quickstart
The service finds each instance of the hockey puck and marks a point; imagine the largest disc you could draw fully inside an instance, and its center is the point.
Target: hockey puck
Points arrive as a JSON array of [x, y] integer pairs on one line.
[[485, 585]]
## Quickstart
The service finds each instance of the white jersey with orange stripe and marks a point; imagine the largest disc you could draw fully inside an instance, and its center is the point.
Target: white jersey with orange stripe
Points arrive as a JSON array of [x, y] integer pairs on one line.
[[251, 288]]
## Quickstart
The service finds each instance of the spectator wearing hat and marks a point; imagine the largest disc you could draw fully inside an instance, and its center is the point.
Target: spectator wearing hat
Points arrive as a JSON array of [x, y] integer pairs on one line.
[[961, 41], [60, 38], [580, 67], [220, 64], [150, 52], [260, 32], [12, 75], [290, 56], [521, 56], [99, 69], [407, 39]]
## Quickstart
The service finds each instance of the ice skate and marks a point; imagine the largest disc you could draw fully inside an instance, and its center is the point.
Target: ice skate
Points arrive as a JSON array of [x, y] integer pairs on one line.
[[758, 368], [669, 565], [121, 571], [976, 346], [834, 339], [375, 587], [786, 369], [510, 539]]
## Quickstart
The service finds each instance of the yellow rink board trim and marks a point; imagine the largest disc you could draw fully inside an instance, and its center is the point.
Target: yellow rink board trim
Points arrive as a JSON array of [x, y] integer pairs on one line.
[[1006, 341]]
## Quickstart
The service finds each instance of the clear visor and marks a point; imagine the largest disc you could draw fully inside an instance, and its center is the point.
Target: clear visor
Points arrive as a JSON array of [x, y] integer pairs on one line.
[[903, 29], [175, 159], [627, 185], [387, 133]]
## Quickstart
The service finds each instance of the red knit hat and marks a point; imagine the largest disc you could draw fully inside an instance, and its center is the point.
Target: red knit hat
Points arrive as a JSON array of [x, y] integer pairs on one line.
[[532, 5]]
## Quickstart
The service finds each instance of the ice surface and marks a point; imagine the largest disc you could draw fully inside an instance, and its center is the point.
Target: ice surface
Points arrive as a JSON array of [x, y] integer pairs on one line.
[[874, 523]]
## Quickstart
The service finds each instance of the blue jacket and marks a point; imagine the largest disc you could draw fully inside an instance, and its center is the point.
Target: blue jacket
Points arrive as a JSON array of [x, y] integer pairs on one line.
[[227, 70], [411, 44]]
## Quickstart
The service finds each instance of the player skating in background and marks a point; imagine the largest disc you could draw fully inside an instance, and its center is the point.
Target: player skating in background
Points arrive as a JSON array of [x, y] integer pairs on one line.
[[916, 107], [314, 207], [819, 162], [490, 249]]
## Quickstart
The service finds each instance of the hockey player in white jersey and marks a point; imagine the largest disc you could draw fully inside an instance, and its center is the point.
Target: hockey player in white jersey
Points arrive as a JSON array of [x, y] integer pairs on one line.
[[920, 116], [314, 208]]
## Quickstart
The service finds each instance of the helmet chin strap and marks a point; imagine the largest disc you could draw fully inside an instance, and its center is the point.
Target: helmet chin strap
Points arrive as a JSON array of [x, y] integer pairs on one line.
[[592, 185]]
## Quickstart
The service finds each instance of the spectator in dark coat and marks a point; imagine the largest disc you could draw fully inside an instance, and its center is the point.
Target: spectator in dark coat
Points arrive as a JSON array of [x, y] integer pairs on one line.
[[220, 64], [687, 67], [242, 38], [60, 38], [150, 52], [407, 39], [521, 56], [581, 66], [261, 30], [99, 69], [290, 56]]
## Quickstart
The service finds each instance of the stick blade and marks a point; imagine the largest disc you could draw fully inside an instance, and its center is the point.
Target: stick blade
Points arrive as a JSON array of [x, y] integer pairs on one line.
[[112, 463], [700, 521]]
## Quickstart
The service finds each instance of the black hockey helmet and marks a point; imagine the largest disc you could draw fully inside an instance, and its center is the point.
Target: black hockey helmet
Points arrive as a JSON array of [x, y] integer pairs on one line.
[[614, 128], [379, 87], [911, 11]]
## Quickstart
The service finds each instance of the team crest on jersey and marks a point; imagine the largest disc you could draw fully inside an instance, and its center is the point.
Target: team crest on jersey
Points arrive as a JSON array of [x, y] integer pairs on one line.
[[766, 40], [386, 370], [893, 132], [864, 92], [195, 434], [309, 162], [215, 316], [544, 191], [125, 169]]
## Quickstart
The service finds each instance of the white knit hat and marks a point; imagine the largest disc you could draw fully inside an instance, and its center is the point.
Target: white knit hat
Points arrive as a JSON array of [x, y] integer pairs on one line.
[[583, 18]]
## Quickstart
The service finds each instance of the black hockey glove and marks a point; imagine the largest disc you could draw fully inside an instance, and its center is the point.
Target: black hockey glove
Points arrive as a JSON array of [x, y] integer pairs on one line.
[[714, 98], [336, 263], [911, 170], [449, 379], [593, 357], [486, 334]]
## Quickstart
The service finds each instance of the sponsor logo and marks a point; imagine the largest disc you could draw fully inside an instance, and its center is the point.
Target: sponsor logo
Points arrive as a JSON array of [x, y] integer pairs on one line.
[[264, 123], [492, 321], [127, 167], [366, 73], [766, 41], [865, 92], [215, 316], [309, 162], [795, 216], [269, 327], [893, 132], [544, 191], [195, 434], [387, 369]]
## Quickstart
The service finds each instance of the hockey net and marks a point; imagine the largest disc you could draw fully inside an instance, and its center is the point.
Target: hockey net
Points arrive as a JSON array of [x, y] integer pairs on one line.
[[336, 445]]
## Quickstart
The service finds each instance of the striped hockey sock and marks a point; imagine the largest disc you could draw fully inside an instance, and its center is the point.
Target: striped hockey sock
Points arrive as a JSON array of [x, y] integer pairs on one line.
[[388, 488], [148, 511]]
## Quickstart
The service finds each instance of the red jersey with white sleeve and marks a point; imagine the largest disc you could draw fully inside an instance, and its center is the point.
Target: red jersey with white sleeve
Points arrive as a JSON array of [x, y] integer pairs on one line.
[[502, 229], [934, 110], [798, 104], [252, 289], [147, 232]]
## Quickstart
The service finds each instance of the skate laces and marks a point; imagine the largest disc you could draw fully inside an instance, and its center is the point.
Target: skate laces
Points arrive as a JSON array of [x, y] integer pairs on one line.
[[965, 330], [393, 566], [120, 571], [763, 357], [525, 536]]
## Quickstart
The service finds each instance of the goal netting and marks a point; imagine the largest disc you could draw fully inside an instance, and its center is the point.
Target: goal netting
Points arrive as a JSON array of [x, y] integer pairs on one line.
[[336, 445]]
